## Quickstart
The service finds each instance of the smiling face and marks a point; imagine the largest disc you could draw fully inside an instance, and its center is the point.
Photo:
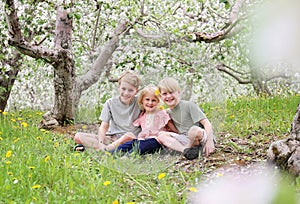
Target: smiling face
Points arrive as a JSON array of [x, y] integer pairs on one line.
[[170, 98], [150, 102], [127, 92]]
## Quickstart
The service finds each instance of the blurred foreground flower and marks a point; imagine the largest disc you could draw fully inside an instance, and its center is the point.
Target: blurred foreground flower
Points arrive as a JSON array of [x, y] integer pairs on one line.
[[106, 183], [47, 158], [8, 153], [36, 186], [193, 189], [161, 176]]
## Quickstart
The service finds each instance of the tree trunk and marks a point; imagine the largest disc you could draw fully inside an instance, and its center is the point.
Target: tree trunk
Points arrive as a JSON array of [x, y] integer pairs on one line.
[[259, 82], [286, 153], [7, 78], [67, 86]]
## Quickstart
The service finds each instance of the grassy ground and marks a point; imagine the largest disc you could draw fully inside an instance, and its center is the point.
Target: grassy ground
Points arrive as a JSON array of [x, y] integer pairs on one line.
[[39, 166]]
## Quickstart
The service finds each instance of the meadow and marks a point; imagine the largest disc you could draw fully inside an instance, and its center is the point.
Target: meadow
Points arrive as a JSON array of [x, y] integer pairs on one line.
[[40, 166]]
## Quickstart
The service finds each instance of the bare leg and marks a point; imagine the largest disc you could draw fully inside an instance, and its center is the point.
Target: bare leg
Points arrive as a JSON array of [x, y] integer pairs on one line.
[[197, 136], [89, 140], [125, 138], [167, 140]]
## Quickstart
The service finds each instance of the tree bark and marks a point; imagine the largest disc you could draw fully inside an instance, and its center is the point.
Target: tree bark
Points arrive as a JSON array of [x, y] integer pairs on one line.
[[7, 78], [67, 86], [286, 153]]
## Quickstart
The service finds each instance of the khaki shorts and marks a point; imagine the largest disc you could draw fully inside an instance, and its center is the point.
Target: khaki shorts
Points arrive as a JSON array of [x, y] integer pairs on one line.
[[185, 140]]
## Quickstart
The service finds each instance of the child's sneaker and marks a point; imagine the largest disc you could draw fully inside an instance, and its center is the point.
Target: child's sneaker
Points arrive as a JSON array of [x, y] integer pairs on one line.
[[192, 152]]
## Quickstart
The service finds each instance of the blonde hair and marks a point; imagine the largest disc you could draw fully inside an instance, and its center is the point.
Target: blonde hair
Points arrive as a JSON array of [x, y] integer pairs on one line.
[[150, 89], [131, 78], [168, 84]]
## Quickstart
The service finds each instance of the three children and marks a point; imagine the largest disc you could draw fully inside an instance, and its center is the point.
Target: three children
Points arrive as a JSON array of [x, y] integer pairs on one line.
[[122, 118]]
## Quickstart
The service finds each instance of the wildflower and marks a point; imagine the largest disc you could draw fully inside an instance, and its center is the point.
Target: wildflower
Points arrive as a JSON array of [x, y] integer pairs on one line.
[[4, 113], [161, 176], [84, 127], [15, 180], [156, 92], [16, 140], [24, 124], [19, 119], [115, 202], [1, 133], [56, 144], [47, 158], [36, 186], [10, 173], [43, 130], [1, 138], [38, 137], [8, 162], [13, 120], [193, 189], [220, 174], [130, 203], [106, 183], [161, 107], [31, 167], [8, 153]]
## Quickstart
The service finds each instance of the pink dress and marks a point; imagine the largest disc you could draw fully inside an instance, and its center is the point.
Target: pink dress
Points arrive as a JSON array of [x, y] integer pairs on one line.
[[152, 123]]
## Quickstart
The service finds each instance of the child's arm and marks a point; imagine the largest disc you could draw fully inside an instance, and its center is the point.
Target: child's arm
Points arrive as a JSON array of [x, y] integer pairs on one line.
[[102, 131], [209, 146], [171, 127]]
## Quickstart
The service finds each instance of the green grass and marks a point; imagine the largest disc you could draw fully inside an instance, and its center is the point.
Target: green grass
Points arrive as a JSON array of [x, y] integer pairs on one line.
[[38, 166]]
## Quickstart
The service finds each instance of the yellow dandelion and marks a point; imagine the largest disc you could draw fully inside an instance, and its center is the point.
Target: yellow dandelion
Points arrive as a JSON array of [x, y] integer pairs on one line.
[[8, 154], [29, 176], [130, 203], [161, 107], [16, 140], [19, 119], [161, 176], [36, 186], [38, 137], [1, 138], [156, 92], [219, 175], [10, 173], [8, 162], [56, 144], [13, 120], [42, 130], [31, 167], [193, 189], [106, 183], [107, 153], [115, 202], [4, 113], [47, 158], [84, 127], [24, 124]]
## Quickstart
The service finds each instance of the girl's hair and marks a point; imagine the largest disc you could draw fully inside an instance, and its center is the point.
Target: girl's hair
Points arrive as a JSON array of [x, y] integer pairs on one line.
[[148, 89], [131, 78], [168, 84]]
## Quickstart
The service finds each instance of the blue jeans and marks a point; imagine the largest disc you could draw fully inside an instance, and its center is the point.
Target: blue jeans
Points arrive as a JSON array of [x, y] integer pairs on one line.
[[146, 146]]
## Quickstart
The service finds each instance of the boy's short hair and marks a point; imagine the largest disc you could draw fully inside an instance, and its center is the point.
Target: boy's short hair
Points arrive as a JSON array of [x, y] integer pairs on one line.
[[131, 78], [168, 84]]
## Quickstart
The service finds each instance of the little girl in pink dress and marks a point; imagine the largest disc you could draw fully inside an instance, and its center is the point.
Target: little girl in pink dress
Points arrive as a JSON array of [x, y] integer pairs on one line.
[[152, 120]]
